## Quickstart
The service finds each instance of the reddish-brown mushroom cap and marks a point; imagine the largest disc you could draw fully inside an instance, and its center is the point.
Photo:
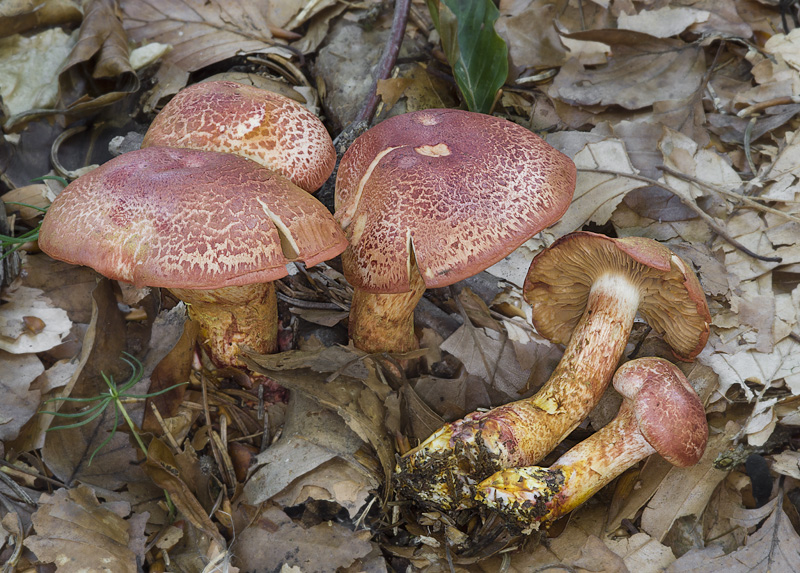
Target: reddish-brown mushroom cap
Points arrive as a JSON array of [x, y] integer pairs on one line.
[[671, 299], [453, 190], [667, 409], [268, 128], [180, 218]]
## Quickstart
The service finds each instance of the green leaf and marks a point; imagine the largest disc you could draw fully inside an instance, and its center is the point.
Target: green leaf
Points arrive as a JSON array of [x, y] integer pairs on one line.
[[477, 54]]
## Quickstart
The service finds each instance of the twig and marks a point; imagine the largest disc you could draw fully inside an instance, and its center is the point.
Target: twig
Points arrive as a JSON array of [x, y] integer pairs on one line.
[[302, 303], [388, 58], [733, 195], [709, 220]]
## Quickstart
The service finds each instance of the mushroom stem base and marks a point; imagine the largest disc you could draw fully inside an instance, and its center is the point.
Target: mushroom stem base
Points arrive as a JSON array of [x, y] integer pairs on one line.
[[385, 322], [443, 470], [529, 497], [232, 317]]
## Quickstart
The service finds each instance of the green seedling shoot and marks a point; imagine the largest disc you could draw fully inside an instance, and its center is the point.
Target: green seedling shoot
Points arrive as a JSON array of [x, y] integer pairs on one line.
[[7, 240], [116, 397]]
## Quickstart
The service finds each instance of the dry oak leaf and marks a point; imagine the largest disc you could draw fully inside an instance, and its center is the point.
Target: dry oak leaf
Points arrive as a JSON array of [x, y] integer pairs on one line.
[[77, 533], [775, 546], [201, 32], [642, 71]]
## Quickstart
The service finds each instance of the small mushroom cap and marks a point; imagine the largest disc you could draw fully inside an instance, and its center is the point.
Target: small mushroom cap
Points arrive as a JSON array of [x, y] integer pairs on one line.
[[672, 300], [272, 130], [668, 410], [180, 218], [453, 190]]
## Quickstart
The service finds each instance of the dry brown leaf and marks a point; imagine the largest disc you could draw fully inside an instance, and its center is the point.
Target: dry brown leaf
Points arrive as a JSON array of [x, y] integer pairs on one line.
[[69, 522], [162, 468], [490, 355], [17, 16], [201, 32], [274, 541], [529, 30], [312, 437], [775, 546], [17, 402], [642, 71], [358, 400], [663, 22]]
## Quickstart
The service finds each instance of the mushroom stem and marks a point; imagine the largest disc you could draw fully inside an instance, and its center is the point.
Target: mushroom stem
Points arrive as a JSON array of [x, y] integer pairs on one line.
[[660, 413], [530, 496], [385, 322], [232, 317], [444, 468]]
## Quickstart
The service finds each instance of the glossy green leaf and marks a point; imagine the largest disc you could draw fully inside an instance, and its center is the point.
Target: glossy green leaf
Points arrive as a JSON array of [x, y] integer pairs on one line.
[[477, 54]]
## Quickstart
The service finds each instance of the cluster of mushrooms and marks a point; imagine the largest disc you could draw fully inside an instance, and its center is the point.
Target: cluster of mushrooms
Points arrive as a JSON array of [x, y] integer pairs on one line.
[[219, 200]]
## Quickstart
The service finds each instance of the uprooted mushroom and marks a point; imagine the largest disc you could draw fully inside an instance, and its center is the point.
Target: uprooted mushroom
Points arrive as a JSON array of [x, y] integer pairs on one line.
[[432, 197], [214, 228], [585, 291], [661, 413]]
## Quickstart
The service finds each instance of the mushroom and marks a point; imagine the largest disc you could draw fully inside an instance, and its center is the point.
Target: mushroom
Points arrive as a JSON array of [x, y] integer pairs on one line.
[[585, 291], [432, 197], [661, 413], [214, 228], [271, 129]]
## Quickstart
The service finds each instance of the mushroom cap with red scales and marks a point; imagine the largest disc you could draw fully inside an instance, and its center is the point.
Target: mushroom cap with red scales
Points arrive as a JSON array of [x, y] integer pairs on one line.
[[672, 301], [271, 129], [667, 409], [180, 218], [450, 190]]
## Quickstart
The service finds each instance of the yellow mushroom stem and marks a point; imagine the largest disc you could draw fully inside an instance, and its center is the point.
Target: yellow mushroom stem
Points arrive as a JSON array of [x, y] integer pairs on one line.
[[385, 322], [444, 469], [232, 317], [531, 496]]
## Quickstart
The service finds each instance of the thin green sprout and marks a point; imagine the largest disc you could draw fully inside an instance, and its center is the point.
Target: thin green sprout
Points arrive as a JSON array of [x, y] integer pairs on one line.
[[115, 396]]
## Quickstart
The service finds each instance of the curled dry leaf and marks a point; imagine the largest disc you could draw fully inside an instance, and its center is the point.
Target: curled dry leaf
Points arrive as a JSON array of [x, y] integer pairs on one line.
[[642, 71], [18, 403], [201, 32], [275, 543], [70, 521]]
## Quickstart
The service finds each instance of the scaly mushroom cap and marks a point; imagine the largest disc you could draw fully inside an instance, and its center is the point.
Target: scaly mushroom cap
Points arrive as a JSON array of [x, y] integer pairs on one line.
[[672, 300], [180, 218], [667, 409], [268, 128], [454, 190]]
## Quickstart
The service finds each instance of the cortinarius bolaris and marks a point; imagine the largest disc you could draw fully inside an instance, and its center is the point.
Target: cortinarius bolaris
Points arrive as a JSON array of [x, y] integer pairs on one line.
[[432, 197], [661, 413], [585, 291], [229, 117], [214, 228]]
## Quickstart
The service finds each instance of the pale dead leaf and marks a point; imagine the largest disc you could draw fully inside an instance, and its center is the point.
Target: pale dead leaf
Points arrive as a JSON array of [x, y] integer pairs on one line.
[[29, 69], [664, 22], [274, 540], [17, 402], [775, 546], [642, 71], [338, 481], [25, 301], [640, 552], [787, 463], [70, 521], [751, 366], [787, 47], [200, 32]]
